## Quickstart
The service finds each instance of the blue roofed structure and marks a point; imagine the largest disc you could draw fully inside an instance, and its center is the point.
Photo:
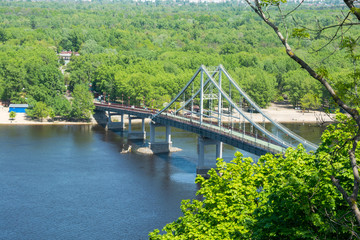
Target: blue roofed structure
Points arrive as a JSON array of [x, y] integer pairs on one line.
[[18, 108]]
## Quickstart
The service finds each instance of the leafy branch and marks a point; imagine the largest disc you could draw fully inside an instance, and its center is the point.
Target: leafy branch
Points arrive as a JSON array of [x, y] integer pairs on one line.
[[353, 112]]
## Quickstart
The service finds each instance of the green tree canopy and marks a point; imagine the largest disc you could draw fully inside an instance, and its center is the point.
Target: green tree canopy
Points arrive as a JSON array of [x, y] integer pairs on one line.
[[82, 104], [40, 111], [12, 115], [258, 84]]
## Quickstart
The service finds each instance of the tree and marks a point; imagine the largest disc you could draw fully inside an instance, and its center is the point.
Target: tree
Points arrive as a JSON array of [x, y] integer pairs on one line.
[[62, 61], [60, 106], [297, 85], [3, 35], [258, 84], [51, 113], [279, 197], [33, 22], [346, 42], [12, 115], [40, 111], [91, 47], [310, 101], [82, 103]]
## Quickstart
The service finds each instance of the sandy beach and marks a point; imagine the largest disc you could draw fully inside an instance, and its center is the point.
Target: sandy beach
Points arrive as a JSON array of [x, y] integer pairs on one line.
[[285, 113], [23, 119], [279, 112]]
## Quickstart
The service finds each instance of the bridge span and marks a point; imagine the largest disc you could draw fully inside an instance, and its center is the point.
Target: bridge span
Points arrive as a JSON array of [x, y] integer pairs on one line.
[[209, 133], [215, 109]]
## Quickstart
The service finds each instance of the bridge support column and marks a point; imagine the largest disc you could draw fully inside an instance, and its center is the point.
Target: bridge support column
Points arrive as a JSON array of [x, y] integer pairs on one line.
[[160, 147], [137, 135], [204, 165], [115, 126]]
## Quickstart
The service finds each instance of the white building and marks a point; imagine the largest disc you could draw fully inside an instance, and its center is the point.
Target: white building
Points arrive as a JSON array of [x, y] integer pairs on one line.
[[66, 55]]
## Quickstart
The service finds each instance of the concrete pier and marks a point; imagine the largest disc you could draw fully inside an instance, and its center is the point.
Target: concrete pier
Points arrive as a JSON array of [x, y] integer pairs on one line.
[[136, 135], [114, 126], [163, 146], [204, 165]]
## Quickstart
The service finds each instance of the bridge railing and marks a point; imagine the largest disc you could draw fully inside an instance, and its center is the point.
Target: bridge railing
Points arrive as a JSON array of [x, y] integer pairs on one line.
[[127, 107], [261, 143]]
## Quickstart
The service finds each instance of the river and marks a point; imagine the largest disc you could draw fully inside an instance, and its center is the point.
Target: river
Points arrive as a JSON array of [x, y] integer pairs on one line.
[[72, 182]]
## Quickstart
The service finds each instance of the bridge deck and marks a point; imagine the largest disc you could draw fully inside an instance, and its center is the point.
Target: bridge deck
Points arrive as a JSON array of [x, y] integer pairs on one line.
[[237, 139], [241, 135]]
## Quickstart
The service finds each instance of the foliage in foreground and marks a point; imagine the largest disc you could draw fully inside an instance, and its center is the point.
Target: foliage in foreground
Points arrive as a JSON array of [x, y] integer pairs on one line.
[[279, 197]]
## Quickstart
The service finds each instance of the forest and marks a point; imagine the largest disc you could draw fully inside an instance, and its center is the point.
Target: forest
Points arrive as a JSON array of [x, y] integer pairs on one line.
[[133, 51]]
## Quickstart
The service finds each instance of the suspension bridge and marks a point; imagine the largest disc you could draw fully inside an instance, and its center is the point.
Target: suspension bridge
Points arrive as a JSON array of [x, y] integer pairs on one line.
[[213, 106]]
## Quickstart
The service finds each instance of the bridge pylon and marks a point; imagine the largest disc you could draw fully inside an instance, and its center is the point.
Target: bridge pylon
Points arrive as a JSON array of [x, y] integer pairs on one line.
[[211, 97]]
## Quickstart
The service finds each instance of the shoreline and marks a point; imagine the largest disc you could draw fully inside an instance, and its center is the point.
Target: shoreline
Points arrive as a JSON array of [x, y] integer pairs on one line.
[[49, 123], [23, 119], [281, 113]]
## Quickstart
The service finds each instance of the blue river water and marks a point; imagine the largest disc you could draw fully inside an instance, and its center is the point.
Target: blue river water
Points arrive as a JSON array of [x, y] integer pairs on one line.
[[73, 182]]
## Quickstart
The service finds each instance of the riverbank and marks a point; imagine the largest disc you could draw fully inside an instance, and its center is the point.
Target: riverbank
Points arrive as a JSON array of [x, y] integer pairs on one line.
[[23, 119], [283, 113]]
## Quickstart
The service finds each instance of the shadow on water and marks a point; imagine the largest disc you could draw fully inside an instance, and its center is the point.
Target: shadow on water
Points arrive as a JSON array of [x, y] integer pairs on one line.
[[167, 162], [185, 160], [151, 165]]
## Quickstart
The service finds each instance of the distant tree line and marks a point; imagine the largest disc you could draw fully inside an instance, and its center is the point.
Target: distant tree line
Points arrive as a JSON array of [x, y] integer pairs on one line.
[[130, 52]]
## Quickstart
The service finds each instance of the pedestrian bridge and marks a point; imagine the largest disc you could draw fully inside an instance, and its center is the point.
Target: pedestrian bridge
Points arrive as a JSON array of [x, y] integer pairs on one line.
[[213, 106]]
